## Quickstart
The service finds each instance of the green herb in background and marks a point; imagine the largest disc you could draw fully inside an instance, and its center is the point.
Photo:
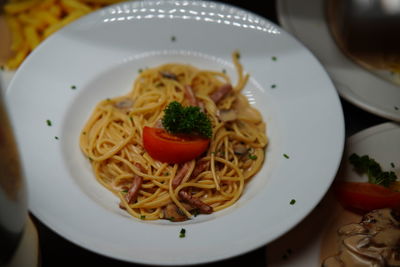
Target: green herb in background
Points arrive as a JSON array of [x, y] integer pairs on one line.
[[368, 166]]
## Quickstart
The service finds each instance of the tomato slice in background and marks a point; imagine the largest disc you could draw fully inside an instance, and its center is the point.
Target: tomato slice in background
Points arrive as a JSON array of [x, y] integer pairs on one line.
[[365, 196], [170, 148]]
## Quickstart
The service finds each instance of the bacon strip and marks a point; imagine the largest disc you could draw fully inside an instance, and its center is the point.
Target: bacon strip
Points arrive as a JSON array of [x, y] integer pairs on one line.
[[190, 96], [136, 184], [196, 202], [221, 92], [177, 180], [201, 166]]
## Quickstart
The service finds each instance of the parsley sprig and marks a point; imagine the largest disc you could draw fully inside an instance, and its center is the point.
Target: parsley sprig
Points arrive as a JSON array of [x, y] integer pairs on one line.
[[368, 166], [186, 120]]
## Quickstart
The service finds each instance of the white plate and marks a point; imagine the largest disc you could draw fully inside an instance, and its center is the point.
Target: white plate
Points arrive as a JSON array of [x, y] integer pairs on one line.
[[306, 21], [301, 246], [101, 55]]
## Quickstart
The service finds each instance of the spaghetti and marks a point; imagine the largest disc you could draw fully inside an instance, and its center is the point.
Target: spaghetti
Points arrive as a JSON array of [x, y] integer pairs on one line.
[[148, 189]]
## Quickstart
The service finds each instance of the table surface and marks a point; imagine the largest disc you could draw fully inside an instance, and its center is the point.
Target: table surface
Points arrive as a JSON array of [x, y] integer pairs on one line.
[[57, 251]]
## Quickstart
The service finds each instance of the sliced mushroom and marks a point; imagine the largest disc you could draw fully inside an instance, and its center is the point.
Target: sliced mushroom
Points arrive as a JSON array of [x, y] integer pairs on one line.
[[126, 103], [240, 149], [226, 115], [173, 213], [372, 242], [168, 75]]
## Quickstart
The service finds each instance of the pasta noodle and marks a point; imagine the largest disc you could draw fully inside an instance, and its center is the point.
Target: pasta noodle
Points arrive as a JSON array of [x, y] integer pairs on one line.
[[112, 139]]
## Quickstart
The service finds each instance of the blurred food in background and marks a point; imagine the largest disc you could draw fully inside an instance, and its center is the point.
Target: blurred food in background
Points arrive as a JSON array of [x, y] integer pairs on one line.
[[24, 24], [367, 31]]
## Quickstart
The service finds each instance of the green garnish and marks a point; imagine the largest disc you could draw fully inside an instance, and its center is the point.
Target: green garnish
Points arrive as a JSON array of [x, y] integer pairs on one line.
[[274, 58], [392, 164], [186, 120], [142, 217], [253, 157], [173, 38], [56, 137], [182, 233], [368, 166], [73, 87], [286, 156], [292, 202], [48, 122], [273, 86]]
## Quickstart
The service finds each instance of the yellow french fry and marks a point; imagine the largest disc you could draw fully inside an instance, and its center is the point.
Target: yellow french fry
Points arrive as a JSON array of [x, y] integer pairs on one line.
[[17, 7], [16, 32], [73, 5], [68, 19], [56, 11], [29, 19], [103, 2], [15, 61], [46, 17], [32, 37]]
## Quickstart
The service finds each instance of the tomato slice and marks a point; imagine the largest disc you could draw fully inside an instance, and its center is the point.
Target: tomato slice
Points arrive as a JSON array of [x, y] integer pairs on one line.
[[365, 196], [170, 148]]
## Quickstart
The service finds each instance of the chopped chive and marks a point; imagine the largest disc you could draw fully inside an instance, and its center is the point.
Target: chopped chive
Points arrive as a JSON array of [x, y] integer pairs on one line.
[[293, 201], [396, 107], [392, 164], [73, 87], [124, 191], [286, 156], [142, 217], [182, 233], [140, 70], [224, 71], [253, 157], [173, 38], [172, 219], [196, 212], [130, 118], [90, 158], [56, 137], [273, 86], [274, 58], [48, 122]]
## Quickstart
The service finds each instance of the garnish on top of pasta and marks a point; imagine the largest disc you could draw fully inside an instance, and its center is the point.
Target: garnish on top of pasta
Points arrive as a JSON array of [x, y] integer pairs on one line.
[[184, 141]]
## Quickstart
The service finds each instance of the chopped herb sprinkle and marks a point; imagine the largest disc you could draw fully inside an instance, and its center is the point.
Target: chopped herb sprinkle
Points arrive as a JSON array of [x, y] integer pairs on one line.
[[48, 122], [273, 86], [252, 156], [396, 107], [140, 70], [73, 87], [274, 58], [292, 202], [173, 38], [224, 71], [366, 165], [286, 156], [56, 137], [142, 217], [182, 233], [392, 164]]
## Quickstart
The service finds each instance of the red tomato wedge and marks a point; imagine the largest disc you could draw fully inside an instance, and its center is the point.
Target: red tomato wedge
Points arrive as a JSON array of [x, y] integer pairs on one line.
[[366, 196], [170, 148]]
